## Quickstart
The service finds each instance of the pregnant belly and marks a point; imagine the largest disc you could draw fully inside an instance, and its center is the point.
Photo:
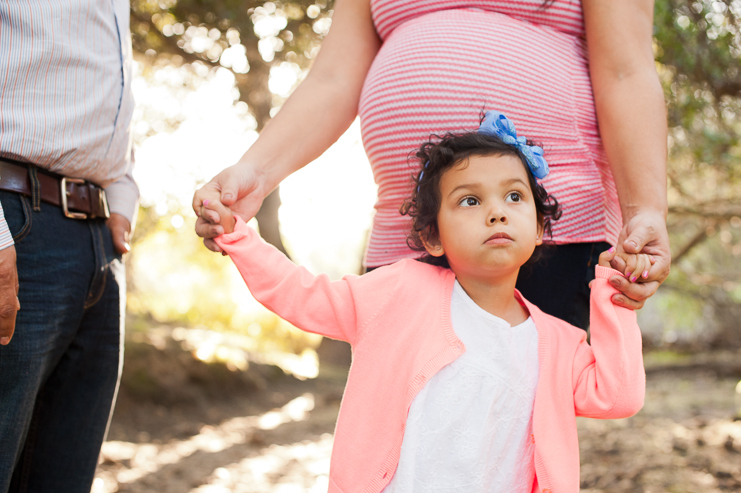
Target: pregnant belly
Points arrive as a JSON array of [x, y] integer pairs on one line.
[[437, 73]]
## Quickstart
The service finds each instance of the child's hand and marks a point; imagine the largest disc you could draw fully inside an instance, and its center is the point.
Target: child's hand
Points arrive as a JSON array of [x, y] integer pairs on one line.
[[217, 213], [636, 265]]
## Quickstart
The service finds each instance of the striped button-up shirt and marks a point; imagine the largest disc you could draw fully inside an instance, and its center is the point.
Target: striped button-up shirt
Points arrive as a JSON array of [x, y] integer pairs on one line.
[[65, 93]]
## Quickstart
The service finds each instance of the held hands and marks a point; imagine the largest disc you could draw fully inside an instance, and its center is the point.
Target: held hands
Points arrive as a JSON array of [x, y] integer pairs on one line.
[[633, 266], [644, 233], [217, 215], [239, 189]]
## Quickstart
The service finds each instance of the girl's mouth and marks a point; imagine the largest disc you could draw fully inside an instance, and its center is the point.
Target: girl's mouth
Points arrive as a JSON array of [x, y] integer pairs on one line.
[[499, 239]]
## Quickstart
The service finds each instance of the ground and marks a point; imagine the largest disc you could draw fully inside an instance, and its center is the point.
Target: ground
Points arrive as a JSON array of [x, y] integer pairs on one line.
[[182, 426]]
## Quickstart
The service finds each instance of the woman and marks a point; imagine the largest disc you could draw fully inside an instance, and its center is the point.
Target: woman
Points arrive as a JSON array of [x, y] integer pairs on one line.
[[557, 70]]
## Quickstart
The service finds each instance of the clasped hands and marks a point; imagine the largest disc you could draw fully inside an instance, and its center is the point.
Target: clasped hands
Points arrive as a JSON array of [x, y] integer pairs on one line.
[[215, 213]]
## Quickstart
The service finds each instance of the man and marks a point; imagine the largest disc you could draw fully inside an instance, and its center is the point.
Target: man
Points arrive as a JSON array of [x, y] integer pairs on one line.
[[68, 198]]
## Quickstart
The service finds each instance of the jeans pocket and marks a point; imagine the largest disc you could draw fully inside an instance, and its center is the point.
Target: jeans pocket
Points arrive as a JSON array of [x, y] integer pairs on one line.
[[18, 215]]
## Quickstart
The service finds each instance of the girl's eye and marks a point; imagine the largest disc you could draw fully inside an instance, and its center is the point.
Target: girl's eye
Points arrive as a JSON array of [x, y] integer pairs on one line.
[[514, 197], [469, 202]]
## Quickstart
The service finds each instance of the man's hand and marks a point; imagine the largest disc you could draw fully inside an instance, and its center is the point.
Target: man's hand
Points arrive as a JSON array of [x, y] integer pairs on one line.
[[643, 233], [9, 304], [120, 230]]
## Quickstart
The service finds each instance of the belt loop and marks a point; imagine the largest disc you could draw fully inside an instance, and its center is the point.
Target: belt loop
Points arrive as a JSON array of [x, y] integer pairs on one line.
[[35, 188]]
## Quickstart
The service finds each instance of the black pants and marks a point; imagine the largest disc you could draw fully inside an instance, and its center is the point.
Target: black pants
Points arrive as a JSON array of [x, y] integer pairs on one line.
[[558, 282]]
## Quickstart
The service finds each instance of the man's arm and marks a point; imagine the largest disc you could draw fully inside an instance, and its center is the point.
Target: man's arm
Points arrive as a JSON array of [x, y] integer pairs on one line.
[[123, 197]]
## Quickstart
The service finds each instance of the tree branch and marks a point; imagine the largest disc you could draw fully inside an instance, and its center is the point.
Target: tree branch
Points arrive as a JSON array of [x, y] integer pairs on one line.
[[709, 211], [699, 238]]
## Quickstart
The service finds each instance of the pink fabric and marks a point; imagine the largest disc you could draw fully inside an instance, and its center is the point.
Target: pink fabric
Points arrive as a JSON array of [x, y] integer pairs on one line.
[[397, 319], [442, 62], [562, 15]]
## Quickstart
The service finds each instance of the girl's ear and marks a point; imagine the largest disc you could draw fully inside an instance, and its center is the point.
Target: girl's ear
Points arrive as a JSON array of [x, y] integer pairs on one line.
[[539, 237], [433, 245]]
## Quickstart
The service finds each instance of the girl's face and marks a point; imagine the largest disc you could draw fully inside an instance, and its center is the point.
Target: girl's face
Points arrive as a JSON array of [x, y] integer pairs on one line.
[[487, 221]]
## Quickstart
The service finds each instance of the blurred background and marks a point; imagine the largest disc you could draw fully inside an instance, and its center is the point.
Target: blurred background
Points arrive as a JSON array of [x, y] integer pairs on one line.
[[220, 395]]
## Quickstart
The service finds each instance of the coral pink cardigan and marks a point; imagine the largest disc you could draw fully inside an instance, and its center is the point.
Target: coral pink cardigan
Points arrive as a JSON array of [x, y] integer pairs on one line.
[[397, 319]]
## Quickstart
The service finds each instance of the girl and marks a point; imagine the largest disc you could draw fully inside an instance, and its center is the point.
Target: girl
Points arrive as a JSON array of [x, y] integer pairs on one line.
[[458, 383]]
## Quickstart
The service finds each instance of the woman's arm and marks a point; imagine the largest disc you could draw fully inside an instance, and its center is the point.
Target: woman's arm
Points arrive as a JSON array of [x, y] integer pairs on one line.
[[632, 119], [312, 119]]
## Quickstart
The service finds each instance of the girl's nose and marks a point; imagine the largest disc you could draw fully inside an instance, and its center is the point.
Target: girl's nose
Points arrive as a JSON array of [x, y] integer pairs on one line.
[[497, 215]]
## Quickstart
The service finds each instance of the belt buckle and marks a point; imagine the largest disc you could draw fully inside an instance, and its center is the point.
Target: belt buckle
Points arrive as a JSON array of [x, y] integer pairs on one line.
[[65, 193]]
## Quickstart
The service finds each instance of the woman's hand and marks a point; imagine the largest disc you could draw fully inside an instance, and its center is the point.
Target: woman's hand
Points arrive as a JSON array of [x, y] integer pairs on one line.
[[240, 187], [643, 233]]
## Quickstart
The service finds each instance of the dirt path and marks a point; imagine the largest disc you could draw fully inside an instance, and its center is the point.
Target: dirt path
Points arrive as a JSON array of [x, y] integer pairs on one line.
[[279, 439]]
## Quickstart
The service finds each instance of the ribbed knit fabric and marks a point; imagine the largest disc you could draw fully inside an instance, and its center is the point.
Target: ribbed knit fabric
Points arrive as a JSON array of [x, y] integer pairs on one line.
[[443, 62]]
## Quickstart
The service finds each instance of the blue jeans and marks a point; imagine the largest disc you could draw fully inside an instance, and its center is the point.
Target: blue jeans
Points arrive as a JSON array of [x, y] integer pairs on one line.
[[59, 374]]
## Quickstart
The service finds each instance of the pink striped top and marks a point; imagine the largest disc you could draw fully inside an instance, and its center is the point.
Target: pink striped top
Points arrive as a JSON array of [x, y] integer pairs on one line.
[[65, 93], [444, 61]]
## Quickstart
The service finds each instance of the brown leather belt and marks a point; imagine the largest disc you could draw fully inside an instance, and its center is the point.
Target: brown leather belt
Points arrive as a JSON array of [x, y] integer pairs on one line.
[[79, 199]]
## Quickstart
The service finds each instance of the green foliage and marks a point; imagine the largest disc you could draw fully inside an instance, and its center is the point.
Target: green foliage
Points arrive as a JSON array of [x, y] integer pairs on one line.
[[698, 54], [171, 272], [174, 279]]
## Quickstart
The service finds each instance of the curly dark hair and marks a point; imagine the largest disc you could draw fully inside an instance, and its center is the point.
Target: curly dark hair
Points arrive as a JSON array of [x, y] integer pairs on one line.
[[441, 153]]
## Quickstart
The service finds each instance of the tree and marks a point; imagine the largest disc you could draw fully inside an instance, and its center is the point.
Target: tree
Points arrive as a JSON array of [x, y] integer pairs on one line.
[[698, 53], [247, 37]]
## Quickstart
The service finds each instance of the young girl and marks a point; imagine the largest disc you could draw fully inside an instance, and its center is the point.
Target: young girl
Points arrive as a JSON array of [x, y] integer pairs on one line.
[[458, 383]]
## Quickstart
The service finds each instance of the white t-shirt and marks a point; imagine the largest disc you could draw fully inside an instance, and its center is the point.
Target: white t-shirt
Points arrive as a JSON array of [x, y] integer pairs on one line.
[[470, 428]]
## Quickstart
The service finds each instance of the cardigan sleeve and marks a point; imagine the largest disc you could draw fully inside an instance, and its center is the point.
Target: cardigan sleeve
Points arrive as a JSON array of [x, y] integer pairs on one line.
[[609, 380], [311, 303]]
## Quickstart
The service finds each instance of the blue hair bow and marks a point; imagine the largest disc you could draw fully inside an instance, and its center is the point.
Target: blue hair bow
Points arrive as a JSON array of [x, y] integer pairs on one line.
[[495, 123]]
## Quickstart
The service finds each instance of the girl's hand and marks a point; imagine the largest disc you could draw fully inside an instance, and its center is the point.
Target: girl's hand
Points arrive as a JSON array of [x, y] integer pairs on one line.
[[606, 257], [637, 266], [634, 267], [214, 208], [240, 188], [208, 223]]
